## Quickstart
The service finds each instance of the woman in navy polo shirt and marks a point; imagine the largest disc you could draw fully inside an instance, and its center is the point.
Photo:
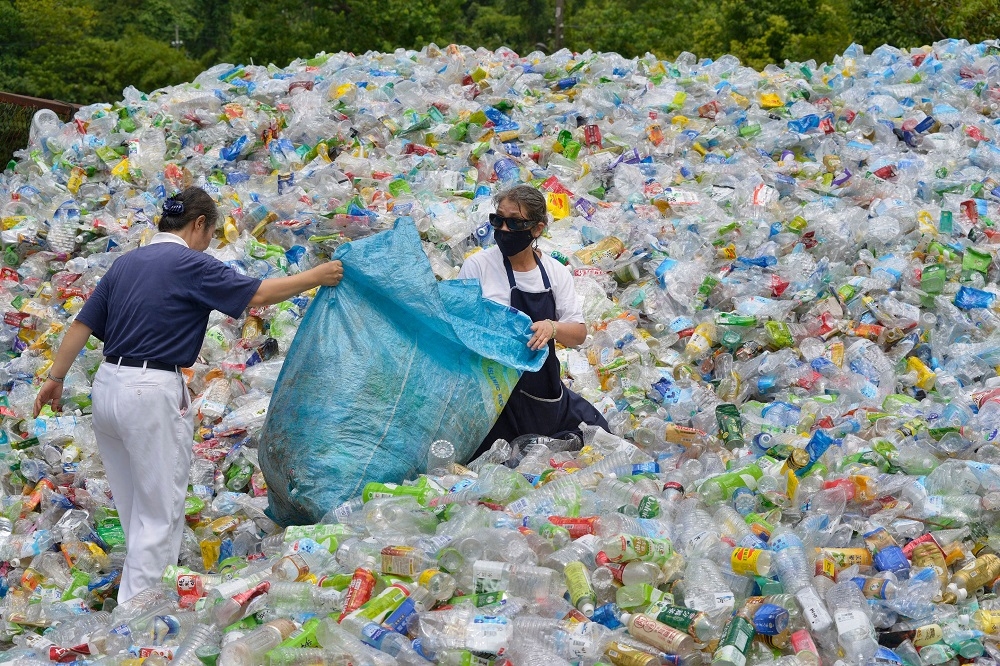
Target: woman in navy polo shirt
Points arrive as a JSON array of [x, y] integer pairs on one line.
[[151, 310]]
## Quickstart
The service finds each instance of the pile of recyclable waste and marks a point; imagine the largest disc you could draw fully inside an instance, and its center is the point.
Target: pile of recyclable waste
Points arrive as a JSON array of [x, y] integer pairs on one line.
[[790, 284]]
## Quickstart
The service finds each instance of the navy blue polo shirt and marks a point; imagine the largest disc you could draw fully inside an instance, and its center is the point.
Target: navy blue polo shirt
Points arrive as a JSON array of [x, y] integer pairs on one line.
[[153, 303]]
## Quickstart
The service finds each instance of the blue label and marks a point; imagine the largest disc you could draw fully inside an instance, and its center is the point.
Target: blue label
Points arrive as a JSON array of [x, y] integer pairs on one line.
[[891, 559], [397, 621], [607, 615], [373, 635], [770, 620]]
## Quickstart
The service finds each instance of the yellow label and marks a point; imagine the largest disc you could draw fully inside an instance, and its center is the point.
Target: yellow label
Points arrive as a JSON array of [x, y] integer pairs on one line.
[[744, 561], [224, 524], [825, 566], [424, 579], [846, 557], [770, 101], [865, 489], [577, 584], [558, 204], [793, 482], [342, 90], [121, 169], [925, 376], [930, 634], [835, 354], [75, 179], [989, 621], [727, 252]]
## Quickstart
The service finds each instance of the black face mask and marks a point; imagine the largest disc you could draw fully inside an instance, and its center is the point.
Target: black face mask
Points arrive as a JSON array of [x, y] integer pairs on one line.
[[512, 242]]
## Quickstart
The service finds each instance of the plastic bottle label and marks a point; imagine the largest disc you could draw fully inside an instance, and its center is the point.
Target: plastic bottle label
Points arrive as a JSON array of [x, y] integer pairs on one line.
[[735, 642], [399, 561], [932, 633], [657, 634], [802, 642], [677, 617], [582, 642], [813, 610], [490, 576], [373, 635], [580, 589], [744, 561], [848, 621], [518, 505], [989, 621], [626, 655], [488, 633]]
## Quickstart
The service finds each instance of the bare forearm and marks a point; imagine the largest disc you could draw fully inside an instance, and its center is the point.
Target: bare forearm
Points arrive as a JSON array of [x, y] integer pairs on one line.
[[570, 334], [276, 290], [73, 342]]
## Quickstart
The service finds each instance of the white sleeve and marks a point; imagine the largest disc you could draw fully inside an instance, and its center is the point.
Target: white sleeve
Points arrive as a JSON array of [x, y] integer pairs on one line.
[[568, 306], [471, 270]]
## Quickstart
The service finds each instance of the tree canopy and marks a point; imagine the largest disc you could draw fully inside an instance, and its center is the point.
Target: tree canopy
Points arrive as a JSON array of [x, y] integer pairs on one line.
[[89, 50]]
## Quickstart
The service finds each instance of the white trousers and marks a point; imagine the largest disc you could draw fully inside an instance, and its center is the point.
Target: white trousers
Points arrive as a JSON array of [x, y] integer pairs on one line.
[[144, 427]]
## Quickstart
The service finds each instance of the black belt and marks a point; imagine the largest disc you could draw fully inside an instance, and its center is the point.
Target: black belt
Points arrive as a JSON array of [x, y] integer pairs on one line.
[[138, 363]]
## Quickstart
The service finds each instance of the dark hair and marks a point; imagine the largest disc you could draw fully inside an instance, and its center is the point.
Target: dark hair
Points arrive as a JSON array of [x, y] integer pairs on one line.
[[528, 200], [185, 207]]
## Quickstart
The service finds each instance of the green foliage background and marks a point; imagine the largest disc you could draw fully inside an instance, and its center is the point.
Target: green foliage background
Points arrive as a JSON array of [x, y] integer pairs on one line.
[[87, 51]]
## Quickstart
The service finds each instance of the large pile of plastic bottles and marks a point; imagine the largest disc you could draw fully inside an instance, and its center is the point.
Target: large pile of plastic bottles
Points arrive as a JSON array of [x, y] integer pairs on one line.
[[790, 283]]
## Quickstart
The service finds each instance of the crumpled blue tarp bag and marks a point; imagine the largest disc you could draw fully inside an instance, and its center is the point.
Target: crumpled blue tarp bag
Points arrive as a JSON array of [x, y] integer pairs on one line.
[[382, 365]]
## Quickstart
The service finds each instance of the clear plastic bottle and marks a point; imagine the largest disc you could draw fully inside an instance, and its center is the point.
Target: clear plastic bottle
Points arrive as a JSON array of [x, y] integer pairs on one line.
[[621, 494], [250, 648], [302, 563], [580, 550], [520, 580], [440, 457], [498, 453], [302, 596], [331, 636], [463, 627], [855, 632], [574, 641], [198, 636], [735, 526], [385, 640], [495, 481]]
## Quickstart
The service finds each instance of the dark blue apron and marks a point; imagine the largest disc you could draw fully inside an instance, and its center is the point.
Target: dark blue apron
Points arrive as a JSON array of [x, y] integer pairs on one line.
[[540, 404]]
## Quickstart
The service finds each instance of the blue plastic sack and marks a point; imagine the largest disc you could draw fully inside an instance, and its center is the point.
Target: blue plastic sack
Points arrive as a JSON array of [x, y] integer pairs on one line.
[[382, 365]]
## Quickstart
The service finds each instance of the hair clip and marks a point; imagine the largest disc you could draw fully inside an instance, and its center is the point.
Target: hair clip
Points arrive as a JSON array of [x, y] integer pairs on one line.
[[173, 206]]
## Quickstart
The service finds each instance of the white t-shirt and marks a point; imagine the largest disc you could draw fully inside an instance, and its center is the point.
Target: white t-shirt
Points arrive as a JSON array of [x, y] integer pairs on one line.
[[487, 267]]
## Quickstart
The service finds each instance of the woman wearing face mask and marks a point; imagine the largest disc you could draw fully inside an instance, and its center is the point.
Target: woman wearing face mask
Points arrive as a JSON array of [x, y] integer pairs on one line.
[[514, 273]]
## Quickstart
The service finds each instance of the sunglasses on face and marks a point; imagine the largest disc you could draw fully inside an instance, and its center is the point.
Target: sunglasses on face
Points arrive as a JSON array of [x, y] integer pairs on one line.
[[513, 223]]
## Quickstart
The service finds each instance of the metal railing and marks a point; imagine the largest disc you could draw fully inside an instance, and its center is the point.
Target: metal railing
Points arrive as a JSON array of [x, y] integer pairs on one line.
[[16, 112]]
